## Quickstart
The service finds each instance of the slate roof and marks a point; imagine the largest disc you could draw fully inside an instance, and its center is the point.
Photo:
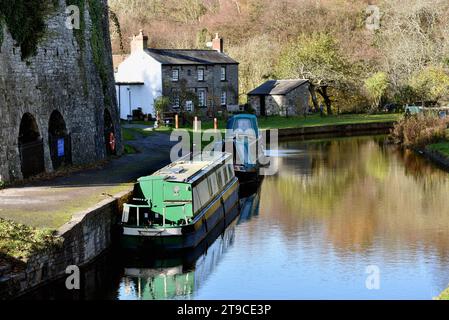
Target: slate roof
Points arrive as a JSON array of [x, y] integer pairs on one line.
[[189, 57], [277, 87]]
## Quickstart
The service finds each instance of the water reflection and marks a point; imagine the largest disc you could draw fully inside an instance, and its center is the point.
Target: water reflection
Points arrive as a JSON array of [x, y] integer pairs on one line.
[[359, 199], [181, 277], [335, 207]]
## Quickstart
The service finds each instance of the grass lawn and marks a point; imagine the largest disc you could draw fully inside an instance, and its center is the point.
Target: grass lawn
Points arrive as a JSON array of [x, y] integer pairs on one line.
[[128, 134], [441, 147], [276, 122]]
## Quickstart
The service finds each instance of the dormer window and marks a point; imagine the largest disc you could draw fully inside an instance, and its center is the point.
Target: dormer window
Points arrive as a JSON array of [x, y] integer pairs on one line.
[[175, 75], [200, 74]]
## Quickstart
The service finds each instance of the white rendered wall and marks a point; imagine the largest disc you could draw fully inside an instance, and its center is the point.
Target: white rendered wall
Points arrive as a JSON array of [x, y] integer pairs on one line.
[[138, 67]]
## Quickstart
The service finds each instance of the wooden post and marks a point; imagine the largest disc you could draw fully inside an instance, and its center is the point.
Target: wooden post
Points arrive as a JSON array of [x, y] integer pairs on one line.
[[195, 124], [176, 121], [158, 119], [215, 124]]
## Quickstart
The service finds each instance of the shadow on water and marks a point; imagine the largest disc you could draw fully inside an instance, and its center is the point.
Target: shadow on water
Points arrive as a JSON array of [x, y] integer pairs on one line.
[[125, 275]]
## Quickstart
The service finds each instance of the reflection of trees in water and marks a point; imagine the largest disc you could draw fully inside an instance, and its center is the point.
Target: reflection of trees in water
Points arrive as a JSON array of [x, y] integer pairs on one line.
[[363, 195]]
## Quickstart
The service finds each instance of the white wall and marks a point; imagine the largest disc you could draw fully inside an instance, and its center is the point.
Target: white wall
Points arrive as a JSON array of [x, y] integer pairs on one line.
[[139, 67]]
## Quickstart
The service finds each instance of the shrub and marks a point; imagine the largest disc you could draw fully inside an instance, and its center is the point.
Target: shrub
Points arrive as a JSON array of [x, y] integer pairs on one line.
[[419, 130], [20, 241]]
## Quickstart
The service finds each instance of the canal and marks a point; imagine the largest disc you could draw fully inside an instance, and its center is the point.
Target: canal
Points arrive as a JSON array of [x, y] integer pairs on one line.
[[338, 214]]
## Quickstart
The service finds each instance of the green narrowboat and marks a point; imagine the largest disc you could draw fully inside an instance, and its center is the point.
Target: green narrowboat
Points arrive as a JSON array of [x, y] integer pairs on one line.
[[177, 206]]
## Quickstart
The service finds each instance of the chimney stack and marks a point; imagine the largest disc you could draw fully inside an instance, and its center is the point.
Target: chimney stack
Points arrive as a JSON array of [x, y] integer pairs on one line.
[[217, 43], [139, 42]]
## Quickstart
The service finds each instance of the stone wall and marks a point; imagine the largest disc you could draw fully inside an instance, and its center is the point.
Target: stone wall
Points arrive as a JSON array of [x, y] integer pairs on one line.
[[212, 83], [85, 237], [63, 75], [294, 102]]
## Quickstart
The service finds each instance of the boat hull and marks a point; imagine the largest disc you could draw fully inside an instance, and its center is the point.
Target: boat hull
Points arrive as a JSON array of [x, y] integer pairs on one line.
[[221, 212]]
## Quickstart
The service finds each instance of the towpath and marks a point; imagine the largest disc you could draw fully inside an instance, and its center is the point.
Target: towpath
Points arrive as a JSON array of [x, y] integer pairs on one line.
[[51, 203]]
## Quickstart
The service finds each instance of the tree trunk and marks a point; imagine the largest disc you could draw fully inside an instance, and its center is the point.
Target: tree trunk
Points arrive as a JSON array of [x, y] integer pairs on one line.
[[327, 101], [316, 107]]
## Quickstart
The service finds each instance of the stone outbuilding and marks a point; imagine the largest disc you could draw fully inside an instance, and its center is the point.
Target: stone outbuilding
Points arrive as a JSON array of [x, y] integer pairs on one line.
[[280, 97]]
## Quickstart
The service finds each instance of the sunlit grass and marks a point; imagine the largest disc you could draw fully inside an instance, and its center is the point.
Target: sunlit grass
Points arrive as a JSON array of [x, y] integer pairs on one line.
[[441, 147], [444, 295]]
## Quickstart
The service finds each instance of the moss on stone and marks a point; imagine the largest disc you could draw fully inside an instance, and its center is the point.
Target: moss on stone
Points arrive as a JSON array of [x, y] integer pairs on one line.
[[25, 20]]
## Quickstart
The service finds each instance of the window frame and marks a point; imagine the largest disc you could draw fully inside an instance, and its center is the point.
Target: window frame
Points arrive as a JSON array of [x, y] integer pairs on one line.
[[176, 100], [223, 73], [204, 102], [203, 70], [173, 79], [224, 95]]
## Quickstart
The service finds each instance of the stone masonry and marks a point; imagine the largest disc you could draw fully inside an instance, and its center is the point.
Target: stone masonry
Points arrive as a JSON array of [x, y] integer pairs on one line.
[[292, 101], [211, 84], [62, 76]]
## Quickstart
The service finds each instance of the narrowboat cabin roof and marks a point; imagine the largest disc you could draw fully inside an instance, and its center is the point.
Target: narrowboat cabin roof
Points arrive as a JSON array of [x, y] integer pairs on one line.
[[186, 170]]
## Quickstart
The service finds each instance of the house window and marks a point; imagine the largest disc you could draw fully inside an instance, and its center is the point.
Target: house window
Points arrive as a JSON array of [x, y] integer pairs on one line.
[[175, 74], [189, 72], [176, 100], [200, 74], [202, 98], [189, 106], [223, 74], [223, 98]]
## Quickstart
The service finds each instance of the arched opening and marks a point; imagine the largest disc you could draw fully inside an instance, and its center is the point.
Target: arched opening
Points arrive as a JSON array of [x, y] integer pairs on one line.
[[59, 141], [31, 147], [109, 133]]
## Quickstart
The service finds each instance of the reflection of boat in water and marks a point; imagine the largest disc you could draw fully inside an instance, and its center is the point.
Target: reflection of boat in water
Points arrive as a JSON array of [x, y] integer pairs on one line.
[[175, 278], [180, 276], [249, 207]]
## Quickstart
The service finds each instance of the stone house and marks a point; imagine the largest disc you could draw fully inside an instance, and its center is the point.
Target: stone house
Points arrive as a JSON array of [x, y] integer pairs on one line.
[[195, 79], [57, 104], [280, 97]]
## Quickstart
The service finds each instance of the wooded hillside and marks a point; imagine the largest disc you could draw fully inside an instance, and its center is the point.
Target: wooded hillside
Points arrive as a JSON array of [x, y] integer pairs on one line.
[[352, 67]]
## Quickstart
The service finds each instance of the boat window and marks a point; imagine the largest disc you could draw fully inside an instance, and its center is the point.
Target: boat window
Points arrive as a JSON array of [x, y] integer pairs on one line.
[[220, 178], [230, 171], [243, 124], [204, 192], [196, 200], [213, 183], [226, 175]]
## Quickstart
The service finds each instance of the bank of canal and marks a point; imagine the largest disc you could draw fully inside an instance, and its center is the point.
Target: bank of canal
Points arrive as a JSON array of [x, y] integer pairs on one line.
[[336, 209]]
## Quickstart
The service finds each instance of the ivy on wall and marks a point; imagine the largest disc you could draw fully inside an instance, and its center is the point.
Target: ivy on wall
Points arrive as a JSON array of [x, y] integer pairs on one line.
[[25, 20], [96, 12]]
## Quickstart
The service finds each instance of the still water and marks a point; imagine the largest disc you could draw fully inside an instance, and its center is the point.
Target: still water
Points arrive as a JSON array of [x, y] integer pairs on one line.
[[336, 209]]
